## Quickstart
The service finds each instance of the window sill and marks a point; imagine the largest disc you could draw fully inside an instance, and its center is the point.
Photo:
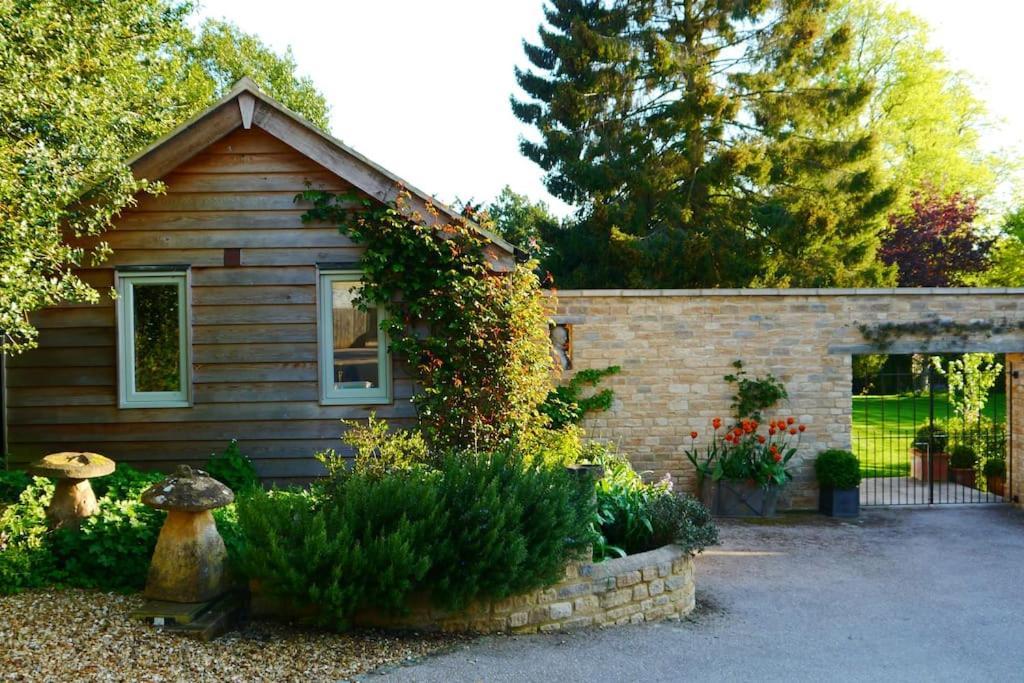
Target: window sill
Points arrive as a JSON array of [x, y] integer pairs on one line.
[[356, 400], [154, 404]]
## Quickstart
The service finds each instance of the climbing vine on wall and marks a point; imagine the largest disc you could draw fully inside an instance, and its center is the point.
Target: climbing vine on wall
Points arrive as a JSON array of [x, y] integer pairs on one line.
[[477, 339], [566, 404], [882, 335]]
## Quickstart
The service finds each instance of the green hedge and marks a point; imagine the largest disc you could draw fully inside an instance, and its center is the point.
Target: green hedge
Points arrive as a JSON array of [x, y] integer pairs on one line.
[[480, 526]]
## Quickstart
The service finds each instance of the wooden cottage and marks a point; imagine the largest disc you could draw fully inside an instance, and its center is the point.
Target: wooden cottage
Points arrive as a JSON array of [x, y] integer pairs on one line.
[[233, 319]]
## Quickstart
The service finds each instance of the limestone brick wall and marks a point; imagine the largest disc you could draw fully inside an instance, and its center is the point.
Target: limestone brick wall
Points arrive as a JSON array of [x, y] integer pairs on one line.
[[650, 586], [674, 347]]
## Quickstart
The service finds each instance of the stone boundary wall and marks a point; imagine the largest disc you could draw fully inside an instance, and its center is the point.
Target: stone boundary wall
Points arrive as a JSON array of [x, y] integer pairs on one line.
[[674, 346], [644, 587]]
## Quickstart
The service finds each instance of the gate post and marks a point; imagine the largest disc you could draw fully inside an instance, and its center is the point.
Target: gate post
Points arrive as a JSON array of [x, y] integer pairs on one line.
[[1015, 425]]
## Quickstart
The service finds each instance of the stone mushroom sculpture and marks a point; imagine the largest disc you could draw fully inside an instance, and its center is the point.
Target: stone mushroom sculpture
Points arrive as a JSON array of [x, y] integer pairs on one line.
[[73, 499], [188, 563]]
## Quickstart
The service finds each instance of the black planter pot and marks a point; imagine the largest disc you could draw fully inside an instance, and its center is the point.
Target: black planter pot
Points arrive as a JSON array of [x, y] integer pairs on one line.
[[728, 498], [839, 502]]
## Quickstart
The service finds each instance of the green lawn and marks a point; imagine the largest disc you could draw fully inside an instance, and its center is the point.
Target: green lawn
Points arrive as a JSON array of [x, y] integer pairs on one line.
[[884, 426]]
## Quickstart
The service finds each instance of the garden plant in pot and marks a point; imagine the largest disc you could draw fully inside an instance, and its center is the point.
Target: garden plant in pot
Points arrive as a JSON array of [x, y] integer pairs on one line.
[[742, 467], [962, 461], [930, 443], [994, 470], [838, 475]]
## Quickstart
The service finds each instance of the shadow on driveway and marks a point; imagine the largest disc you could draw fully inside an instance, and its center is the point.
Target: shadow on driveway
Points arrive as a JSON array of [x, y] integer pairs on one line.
[[898, 595]]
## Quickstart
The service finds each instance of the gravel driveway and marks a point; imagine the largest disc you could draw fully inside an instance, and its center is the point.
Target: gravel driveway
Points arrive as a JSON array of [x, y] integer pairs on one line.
[[899, 595]]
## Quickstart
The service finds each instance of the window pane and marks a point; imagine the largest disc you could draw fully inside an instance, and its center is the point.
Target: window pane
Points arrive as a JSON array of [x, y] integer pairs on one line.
[[355, 340], [157, 366]]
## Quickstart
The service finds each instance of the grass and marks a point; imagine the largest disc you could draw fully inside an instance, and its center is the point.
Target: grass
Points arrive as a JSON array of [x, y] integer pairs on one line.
[[884, 428]]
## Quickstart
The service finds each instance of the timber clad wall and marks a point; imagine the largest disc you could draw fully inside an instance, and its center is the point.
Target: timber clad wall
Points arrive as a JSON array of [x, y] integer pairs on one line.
[[254, 344], [674, 346]]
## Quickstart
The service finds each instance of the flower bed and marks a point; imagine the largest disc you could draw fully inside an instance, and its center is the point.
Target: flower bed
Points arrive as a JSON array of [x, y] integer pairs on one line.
[[650, 586]]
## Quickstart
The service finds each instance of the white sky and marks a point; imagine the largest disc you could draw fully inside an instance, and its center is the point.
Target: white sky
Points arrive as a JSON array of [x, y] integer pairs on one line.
[[422, 86]]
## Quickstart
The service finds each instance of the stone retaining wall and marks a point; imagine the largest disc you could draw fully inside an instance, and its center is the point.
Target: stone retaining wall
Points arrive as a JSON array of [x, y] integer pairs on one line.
[[674, 346], [645, 587]]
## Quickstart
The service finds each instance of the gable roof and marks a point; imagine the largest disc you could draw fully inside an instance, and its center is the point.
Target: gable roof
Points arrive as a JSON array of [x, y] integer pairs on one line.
[[245, 106]]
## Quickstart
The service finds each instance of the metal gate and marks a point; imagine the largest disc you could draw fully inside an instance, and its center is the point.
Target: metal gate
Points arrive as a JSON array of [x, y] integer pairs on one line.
[[916, 449]]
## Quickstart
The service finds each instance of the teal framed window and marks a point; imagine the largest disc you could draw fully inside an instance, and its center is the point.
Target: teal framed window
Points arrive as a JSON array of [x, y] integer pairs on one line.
[[354, 359], [153, 339]]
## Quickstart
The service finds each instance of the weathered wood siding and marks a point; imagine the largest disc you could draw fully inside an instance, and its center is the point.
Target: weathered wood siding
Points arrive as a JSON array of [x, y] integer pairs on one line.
[[254, 348]]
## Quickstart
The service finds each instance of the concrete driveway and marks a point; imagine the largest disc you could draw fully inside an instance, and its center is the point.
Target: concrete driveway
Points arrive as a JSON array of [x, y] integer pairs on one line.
[[899, 595]]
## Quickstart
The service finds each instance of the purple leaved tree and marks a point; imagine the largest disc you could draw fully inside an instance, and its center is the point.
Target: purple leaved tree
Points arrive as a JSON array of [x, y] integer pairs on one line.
[[936, 244]]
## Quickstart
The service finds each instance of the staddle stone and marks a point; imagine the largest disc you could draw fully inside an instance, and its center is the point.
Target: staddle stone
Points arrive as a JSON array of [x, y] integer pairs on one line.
[[188, 563], [73, 499]]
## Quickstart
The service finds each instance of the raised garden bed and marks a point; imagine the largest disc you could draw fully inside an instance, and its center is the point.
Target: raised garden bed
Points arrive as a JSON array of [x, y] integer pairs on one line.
[[649, 586]]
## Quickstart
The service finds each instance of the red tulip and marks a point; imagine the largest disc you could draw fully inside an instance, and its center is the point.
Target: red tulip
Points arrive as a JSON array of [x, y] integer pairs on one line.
[[693, 435], [760, 438], [792, 431], [778, 458], [790, 420], [802, 428]]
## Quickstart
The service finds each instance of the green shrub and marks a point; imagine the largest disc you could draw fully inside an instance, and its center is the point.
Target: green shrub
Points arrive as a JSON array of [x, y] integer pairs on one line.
[[553, 447], [634, 517], [681, 520], [481, 526], [962, 456], [12, 483], [124, 483], [379, 450], [837, 469], [25, 560], [367, 544], [986, 437], [994, 467], [111, 550], [233, 468], [934, 436], [511, 528]]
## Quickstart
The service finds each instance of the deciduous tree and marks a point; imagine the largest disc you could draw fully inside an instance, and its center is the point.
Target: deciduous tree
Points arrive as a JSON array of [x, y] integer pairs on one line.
[[84, 85], [935, 244]]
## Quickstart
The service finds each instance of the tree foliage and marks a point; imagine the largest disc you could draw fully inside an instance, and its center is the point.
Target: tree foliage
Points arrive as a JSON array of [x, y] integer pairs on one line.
[[935, 244], [83, 86], [520, 220], [707, 144], [923, 113], [1007, 256]]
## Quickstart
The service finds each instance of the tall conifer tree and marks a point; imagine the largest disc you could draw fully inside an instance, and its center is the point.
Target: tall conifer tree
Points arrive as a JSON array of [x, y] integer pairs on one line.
[[706, 142]]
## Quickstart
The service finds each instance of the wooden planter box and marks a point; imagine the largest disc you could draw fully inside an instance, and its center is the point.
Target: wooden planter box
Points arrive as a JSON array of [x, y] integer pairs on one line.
[[940, 466], [996, 486], [839, 502], [739, 498], [964, 476]]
